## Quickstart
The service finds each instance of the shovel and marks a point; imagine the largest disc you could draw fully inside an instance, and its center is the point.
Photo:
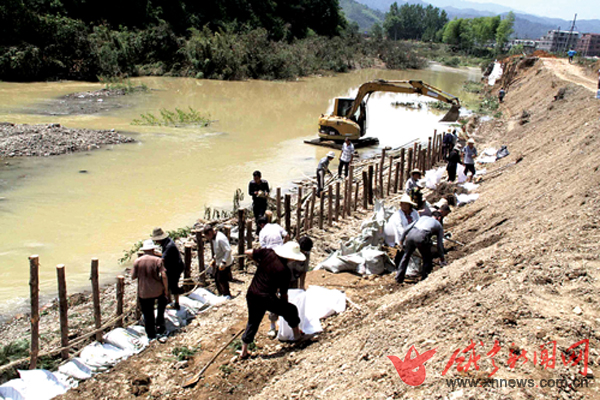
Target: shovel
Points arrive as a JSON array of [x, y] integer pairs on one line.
[[452, 115]]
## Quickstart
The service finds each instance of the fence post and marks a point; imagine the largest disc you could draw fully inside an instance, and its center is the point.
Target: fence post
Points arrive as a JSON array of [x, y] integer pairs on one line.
[[375, 181], [415, 156], [329, 205], [429, 160], [321, 210], [350, 182], [381, 165], [200, 243], [96, 298], [288, 213], [312, 207], [299, 214], [34, 293], [120, 295], [365, 177], [248, 235], [401, 186], [370, 191], [278, 205], [63, 309], [187, 262], [389, 183], [356, 195], [409, 164], [337, 201], [241, 242], [346, 190]]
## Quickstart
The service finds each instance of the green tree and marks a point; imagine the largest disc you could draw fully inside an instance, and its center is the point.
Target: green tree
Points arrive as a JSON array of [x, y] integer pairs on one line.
[[376, 32], [393, 23], [505, 29]]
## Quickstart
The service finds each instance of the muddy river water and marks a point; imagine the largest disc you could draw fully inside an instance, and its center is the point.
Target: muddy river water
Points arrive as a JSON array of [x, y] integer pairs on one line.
[[48, 207]]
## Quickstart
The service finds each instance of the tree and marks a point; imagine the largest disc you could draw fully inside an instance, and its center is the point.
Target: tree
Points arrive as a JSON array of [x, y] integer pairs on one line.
[[393, 23], [376, 31], [505, 29]]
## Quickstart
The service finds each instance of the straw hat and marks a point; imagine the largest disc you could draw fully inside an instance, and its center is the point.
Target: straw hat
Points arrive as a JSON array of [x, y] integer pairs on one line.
[[159, 234], [406, 199], [470, 141], [148, 245], [331, 154], [415, 171], [291, 251]]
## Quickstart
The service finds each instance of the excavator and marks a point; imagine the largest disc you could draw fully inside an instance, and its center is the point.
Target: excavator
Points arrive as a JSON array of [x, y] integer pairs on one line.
[[344, 123]]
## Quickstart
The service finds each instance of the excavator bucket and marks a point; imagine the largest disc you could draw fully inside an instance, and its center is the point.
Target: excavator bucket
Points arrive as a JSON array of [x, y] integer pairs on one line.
[[452, 115]]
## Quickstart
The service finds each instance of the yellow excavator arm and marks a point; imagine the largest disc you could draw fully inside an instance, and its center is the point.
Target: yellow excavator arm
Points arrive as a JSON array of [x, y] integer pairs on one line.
[[343, 123], [414, 87]]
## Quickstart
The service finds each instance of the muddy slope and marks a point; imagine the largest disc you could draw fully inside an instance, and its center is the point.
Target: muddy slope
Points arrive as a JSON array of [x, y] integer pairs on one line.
[[527, 276]]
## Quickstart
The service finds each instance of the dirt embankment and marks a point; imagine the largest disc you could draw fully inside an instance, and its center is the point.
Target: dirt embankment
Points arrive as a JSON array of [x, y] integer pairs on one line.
[[53, 139], [528, 276]]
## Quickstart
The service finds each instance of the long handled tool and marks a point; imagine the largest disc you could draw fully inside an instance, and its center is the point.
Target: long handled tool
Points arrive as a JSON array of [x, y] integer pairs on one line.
[[194, 379]]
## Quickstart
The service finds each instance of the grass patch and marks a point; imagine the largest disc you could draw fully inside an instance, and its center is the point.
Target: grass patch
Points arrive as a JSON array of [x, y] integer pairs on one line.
[[488, 106], [185, 353], [439, 105], [473, 87], [114, 83], [236, 345], [178, 117]]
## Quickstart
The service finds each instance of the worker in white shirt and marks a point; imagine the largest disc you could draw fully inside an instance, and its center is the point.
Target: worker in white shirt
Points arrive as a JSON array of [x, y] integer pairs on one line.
[[223, 260], [346, 157], [271, 234]]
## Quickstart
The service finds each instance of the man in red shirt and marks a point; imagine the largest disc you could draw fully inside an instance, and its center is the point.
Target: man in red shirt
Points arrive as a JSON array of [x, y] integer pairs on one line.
[[268, 290], [152, 287]]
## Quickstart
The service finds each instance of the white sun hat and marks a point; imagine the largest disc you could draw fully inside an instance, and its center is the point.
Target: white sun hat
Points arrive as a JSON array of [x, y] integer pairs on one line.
[[148, 245], [291, 251]]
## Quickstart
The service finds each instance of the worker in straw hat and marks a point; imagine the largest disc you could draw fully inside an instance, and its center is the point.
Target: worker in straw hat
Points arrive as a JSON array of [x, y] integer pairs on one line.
[[153, 288], [322, 169], [469, 153], [268, 290], [413, 181], [171, 260]]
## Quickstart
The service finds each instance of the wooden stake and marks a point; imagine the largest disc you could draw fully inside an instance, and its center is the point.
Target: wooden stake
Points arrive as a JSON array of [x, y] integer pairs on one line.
[[337, 201], [370, 191], [248, 235], [120, 295], [321, 210], [409, 165], [375, 181], [429, 148], [356, 196], [345, 211], [389, 183], [419, 160], [241, 242], [381, 165], [329, 205], [396, 177], [187, 262], [299, 214], [288, 213], [96, 298], [312, 207], [63, 309], [415, 156], [365, 177], [278, 205], [350, 182], [200, 243], [400, 182]]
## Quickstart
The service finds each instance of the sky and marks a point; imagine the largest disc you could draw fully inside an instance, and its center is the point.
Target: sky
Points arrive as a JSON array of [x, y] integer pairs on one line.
[[585, 9]]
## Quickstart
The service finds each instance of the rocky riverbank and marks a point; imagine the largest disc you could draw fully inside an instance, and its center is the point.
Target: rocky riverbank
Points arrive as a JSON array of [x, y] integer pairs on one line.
[[53, 139]]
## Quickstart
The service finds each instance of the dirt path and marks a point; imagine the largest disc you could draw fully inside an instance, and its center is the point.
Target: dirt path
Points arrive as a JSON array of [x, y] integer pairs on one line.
[[569, 72]]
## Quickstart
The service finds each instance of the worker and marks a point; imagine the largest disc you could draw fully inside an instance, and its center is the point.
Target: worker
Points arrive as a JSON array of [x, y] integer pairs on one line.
[[322, 169], [413, 181], [153, 288], [571, 53], [418, 236], [501, 94], [453, 159], [268, 290], [346, 156], [223, 260], [469, 153], [271, 234], [447, 142], [300, 268], [258, 189], [172, 262]]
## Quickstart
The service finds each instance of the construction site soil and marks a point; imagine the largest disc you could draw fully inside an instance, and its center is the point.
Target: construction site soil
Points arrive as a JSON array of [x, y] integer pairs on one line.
[[527, 276]]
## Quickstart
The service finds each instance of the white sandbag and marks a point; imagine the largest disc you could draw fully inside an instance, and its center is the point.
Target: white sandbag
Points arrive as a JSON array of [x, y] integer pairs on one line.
[[466, 198], [11, 390], [490, 151], [486, 159], [99, 357], [309, 326], [321, 302], [125, 340], [205, 296], [336, 263], [414, 266], [40, 384], [76, 369], [389, 229], [470, 186], [460, 173], [374, 262], [67, 381], [433, 177], [479, 172], [193, 305]]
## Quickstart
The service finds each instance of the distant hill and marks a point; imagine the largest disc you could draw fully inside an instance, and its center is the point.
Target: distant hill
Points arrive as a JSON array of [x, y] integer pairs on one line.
[[364, 16], [526, 25]]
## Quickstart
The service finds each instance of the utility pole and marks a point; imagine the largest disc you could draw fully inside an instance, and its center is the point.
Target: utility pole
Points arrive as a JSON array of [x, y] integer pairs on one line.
[[568, 42]]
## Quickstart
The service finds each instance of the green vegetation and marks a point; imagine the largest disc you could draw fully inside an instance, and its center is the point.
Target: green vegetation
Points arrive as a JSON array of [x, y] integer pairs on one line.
[[414, 22], [489, 105], [173, 118], [20, 349], [483, 36], [364, 16], [236, 345], [185, 353], [114, 83], [439, 105], [473, 87]]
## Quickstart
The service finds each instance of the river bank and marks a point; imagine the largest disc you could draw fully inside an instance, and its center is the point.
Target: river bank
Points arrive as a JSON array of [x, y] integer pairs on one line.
[[526, 278], [20, 140]]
